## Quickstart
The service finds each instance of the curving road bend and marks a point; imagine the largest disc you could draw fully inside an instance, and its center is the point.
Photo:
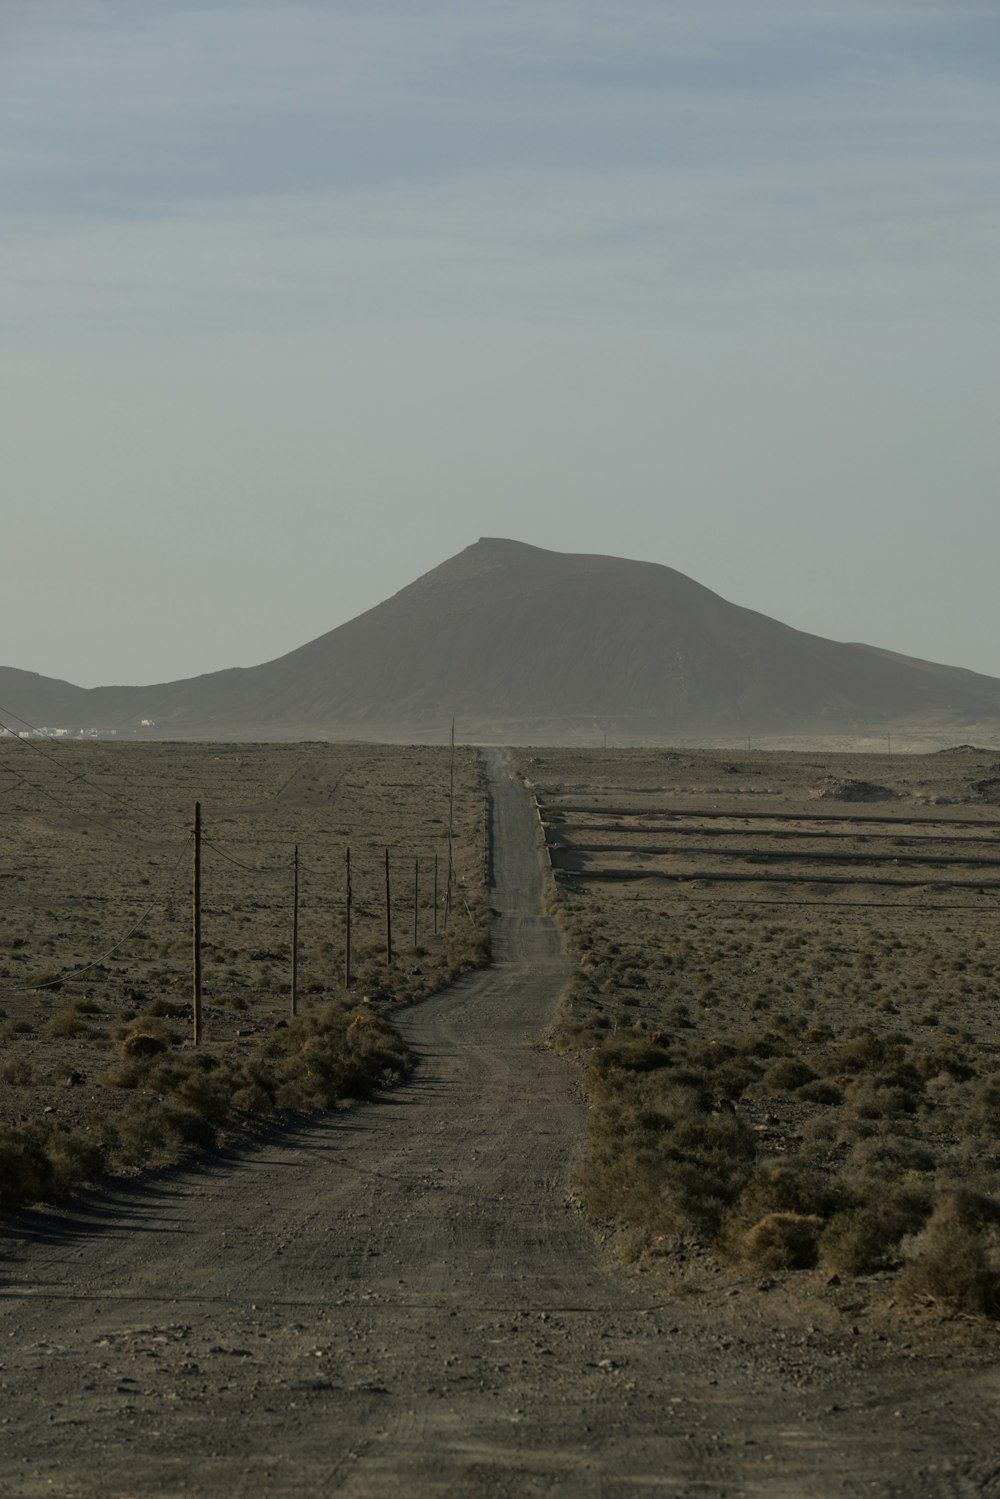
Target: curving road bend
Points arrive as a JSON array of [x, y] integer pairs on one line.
[[398, 1301]]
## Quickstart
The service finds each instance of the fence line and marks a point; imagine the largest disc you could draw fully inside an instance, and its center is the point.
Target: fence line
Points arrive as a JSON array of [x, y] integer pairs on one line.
[[346, 905], [321, 863]]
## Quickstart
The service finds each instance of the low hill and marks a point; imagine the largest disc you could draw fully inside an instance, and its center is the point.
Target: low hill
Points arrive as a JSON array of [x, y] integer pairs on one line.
[[524, 644]]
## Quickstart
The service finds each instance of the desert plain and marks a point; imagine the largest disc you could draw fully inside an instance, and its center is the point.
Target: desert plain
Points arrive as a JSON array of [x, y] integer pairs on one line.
[[657, 1201], [786, 1007], [96, 926]]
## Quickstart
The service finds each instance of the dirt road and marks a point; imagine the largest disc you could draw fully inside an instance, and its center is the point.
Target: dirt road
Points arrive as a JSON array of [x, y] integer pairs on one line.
[[398, 1301]]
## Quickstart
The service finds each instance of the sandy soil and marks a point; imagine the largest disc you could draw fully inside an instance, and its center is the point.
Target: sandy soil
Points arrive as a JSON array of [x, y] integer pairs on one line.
[[95, 874], [399, 1300]]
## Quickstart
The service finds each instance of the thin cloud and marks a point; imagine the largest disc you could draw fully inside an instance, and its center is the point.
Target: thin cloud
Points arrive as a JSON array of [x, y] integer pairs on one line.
[[729, 264], [129, 111]]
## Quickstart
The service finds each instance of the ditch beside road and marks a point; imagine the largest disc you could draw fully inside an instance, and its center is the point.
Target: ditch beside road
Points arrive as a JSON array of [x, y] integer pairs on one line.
[[399, 1300]]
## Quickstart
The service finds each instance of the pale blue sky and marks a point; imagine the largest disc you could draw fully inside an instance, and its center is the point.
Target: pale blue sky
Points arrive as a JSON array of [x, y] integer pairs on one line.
[[297, 300]]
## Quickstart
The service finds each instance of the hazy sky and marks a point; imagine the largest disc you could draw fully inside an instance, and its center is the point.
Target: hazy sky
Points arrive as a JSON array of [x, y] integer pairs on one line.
[[299, 299]]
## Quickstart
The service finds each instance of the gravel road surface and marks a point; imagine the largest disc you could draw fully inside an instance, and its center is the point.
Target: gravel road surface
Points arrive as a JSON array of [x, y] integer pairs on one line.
[[398, 1300]]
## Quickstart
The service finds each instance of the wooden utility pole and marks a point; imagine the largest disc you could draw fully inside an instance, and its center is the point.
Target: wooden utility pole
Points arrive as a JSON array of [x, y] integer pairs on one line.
[[435, 895], [347, 944], [196, 926], [388, 912], [451, 829], [295, 931], [416, 896]]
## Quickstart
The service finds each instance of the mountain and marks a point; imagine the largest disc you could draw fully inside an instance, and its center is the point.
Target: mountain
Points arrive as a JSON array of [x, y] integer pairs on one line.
[[526, 645]]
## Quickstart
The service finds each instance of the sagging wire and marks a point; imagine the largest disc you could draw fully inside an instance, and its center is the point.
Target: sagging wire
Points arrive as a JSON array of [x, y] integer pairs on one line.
[[70, 974]]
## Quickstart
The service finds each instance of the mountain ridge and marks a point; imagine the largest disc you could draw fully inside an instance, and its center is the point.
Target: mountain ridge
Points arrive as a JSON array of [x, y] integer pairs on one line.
[[521, 642]]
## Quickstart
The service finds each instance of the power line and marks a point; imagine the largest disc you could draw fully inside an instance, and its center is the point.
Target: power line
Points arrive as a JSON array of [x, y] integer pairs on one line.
[[78, 776], [251, 868], [139, 842], [68, 975], [30, 744]]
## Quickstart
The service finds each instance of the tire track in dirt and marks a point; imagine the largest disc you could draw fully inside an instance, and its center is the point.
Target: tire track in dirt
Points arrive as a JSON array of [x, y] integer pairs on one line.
[[398, 1301]]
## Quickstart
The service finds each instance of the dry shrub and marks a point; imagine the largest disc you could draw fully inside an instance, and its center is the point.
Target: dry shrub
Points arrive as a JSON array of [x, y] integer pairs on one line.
[[782, 1241], [254, 1088], [947, 1060], [792, 1186], [12, 1028], [139, 1135], [732, 1078], [867, 1235], [955, 1260], [184, 1123], [983, 1113], [18, 1071], [868, 1052], [579, 1035], [26, 1173], [873, 1163], [882, 1098], [779, 1194], [770, 1044], [332, 1053], [327, 1054], [75, 1156], [181, 1100], [142, 1044], [66, 1023], [661, 1161], [787, 1075], [207, 1096], [823, 1091], [630, 1054], [130, 1073], [43, 1160], [816, 1035]]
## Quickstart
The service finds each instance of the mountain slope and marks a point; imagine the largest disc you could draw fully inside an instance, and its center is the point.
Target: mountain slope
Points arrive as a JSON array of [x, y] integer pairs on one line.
[[520, 642]]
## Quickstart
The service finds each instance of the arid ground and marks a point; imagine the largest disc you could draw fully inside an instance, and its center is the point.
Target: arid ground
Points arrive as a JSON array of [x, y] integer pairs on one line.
[[405, 1297], [96, 918], [786, 1007]]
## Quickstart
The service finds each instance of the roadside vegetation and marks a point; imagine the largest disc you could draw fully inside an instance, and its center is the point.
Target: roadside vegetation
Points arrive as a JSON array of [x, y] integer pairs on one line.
[[177, 1101], [798, 1079], [98, 1073]]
